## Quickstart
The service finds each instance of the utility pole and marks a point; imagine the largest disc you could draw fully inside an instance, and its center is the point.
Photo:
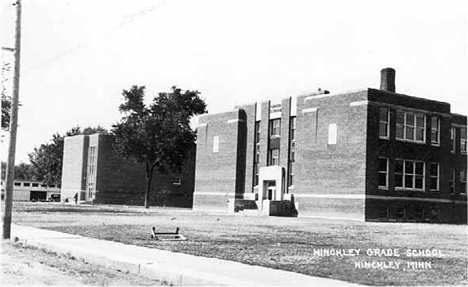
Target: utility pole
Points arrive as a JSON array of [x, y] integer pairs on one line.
[[10, 172]]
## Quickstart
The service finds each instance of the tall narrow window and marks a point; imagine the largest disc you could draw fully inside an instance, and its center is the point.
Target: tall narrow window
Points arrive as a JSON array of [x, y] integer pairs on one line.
[[452, 180], [92, 158], [384, 131], [291, 175], [463, 140], [410, 126], [434, 177], [409, 174], [452, 139], [383, 172], [463, 180], [292, 150], [256, 153], [274, 156], [435, 130], [275, 128]]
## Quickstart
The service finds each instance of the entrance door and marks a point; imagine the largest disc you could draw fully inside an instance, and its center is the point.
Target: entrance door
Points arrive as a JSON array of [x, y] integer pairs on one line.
[[271, 190]]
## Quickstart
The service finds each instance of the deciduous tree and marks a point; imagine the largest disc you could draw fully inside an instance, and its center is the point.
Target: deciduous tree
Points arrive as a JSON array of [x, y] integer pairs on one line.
[[159, 134]]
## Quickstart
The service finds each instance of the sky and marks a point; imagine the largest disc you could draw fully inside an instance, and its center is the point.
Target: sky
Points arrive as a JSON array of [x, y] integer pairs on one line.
[[78, 55]]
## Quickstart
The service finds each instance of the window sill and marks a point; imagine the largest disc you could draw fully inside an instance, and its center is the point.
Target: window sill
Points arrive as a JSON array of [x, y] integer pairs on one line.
[[410, 141], [383, 188], [435, 144], [384, 138], [408, 189]]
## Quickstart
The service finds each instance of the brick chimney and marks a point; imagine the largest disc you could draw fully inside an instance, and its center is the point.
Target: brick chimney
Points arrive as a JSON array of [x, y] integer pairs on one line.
[[387, 80]]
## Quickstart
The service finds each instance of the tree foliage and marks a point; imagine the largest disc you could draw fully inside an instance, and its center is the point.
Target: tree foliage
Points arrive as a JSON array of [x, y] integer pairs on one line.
[[159, 134], [47, 159]]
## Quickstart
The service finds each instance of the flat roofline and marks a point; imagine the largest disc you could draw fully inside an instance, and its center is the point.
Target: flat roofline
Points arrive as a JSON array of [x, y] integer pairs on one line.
[[405, 95]]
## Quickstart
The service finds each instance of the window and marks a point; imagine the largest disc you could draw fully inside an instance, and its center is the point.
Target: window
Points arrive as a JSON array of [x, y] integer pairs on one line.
[[176, 181], [383, 212], [400, 213], [409, 174], [52, 185], [384, 123], [383, 172], [35, 184], [434, 177], [256, 153], [463, 140], [410, 126], [452, 180], [275, 127], [215, 144], [291, 175], [17, 183], [26, 184], [419, 213], [452, 139], [273, 157], [292, 129], [463, 180], [92, 159], [435, 130], [332, 134]]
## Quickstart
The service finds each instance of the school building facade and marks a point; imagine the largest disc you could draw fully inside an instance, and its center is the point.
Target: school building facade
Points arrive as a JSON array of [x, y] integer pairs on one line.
[[98, 174], [371, 155]]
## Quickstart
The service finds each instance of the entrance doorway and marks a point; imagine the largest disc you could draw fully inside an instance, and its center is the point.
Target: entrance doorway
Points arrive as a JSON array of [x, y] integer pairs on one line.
[[271, 190]]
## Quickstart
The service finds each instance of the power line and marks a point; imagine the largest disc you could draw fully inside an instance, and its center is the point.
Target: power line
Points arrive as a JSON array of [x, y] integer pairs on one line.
[[132, 18]]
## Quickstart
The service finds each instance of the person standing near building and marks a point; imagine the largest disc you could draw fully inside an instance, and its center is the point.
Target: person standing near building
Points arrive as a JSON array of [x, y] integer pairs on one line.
[[76, 198]]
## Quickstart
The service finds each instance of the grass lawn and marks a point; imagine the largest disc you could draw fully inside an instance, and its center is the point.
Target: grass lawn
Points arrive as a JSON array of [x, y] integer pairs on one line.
[[275, 242]]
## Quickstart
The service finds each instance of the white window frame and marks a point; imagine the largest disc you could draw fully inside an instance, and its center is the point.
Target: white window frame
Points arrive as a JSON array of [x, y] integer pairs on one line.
[[437, 177], [463, 180], [435, 130], [452, 184], [463, 140], [275, 128], [412, 174], [274, 160], [414, 125], [453, 138], [385, 172], [386, 123]]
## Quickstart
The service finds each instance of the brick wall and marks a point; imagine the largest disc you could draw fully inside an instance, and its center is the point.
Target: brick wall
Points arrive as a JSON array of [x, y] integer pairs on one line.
[[217, 172], [123, 181], [426, 152], [329, 175]]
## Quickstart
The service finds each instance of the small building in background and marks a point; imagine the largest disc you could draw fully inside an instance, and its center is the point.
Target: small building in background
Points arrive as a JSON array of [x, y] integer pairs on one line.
[[98, 174], [27, 190], [370, 155]]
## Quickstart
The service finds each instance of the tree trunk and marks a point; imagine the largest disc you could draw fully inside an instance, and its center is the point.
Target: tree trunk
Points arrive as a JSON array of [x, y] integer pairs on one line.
[[149, 176]]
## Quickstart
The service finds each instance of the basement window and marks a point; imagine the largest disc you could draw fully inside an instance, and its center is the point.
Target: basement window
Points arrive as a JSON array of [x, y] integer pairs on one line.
[[17, 183], [176, 181], [383, 212]]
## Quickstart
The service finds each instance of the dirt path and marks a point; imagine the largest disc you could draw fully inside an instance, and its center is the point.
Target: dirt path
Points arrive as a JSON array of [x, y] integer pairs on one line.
[[23, 265]]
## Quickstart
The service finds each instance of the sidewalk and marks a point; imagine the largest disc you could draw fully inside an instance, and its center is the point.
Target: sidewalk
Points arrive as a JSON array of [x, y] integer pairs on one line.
[[180, 269]]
